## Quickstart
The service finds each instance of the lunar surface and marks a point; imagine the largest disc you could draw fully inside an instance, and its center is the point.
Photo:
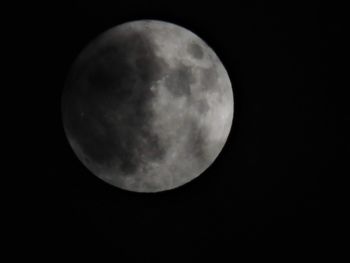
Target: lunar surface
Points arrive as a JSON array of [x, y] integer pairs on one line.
[[147, 106]]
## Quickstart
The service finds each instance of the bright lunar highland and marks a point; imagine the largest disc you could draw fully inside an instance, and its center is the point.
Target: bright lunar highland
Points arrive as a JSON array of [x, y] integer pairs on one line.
[[147, 106]]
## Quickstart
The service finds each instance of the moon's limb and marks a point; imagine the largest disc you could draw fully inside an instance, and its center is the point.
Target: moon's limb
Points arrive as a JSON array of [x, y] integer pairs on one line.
[[148, 106]]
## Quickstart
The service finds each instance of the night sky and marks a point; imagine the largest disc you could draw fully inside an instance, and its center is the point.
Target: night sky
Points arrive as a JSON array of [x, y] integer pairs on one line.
[[262, 195]]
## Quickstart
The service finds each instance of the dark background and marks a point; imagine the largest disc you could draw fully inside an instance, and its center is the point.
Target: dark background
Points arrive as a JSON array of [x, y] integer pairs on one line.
[[262, 196]]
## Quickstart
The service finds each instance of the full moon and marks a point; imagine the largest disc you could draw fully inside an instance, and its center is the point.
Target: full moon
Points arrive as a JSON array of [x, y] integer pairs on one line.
[[147, 106]]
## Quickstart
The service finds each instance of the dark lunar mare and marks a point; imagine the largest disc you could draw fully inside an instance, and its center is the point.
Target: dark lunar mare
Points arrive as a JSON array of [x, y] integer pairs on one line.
[[195, 50], [209, 77], [179, 80], [106, 101]]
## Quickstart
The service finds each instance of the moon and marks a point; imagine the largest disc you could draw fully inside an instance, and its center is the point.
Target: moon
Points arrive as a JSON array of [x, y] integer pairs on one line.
[[147, 106]]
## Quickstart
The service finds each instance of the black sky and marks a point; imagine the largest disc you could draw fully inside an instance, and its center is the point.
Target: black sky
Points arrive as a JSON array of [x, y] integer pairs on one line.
[[262, 195]]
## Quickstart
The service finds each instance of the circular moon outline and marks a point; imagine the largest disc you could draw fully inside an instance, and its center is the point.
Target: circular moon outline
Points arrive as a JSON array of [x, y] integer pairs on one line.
[[147, 106]]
